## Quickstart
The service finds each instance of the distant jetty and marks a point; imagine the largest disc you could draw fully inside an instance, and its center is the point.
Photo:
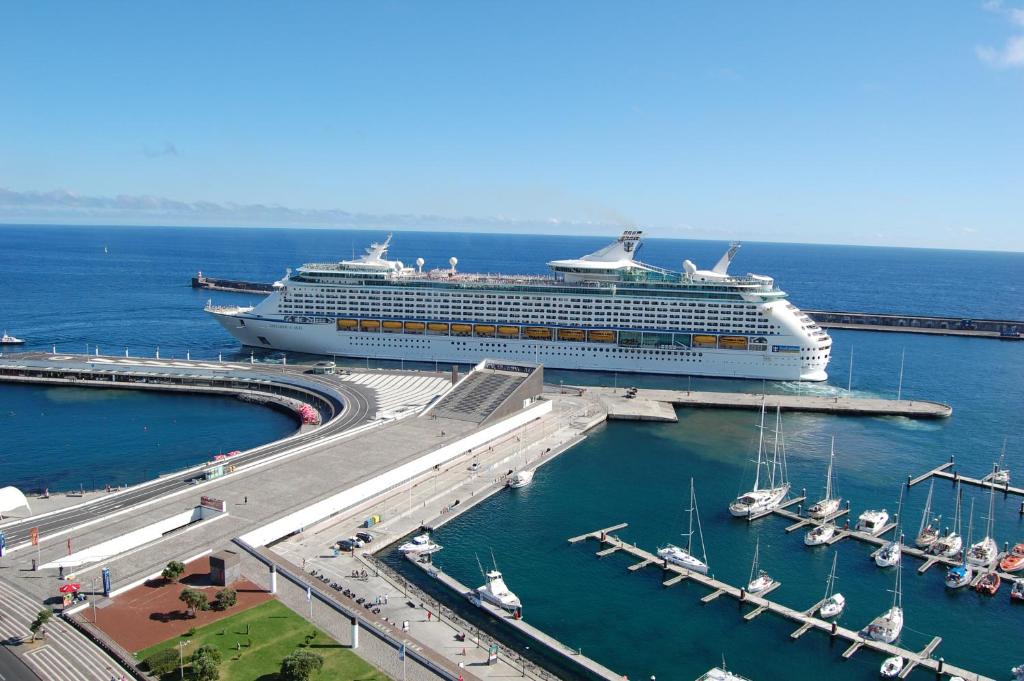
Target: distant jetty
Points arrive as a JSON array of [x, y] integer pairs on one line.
[[1005, 329]]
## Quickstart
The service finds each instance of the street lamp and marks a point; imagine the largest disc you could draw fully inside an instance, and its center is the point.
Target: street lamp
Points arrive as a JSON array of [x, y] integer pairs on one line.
[[181, 657]]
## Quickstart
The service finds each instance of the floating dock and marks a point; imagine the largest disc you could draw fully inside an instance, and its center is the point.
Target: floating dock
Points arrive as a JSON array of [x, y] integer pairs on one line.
[[842, 405], [805, 618], [945, 471]]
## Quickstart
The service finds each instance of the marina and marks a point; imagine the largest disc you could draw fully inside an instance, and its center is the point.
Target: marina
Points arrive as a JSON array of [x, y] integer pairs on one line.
[[805, 618]]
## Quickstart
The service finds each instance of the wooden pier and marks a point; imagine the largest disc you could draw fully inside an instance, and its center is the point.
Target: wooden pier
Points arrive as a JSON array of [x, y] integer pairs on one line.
[[761, 604], [945, 471], [841, 404]]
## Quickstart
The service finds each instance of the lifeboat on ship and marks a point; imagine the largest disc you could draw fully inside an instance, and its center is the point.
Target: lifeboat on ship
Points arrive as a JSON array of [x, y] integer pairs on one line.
[[538, 332], [484, 330], [508, 331], [570, 334], [462, 329], [601, 336], [415, 327]]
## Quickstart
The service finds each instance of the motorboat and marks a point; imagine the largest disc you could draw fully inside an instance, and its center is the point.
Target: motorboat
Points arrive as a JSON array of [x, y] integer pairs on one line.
[[984, 552], [421, 544], [685, 558], [961, 575], [888, 626], [834, 602], [1017, 592], [889, 555], [759, 579], [930, 527], [1014, 560], [8, 339], [989, 583], [1000, 475], [820, 534], [721, 674], [892, 667], [872, 522], [829, 505], [951, 544], [1018, 672], [520, 479], [764, 498], [495, 591]]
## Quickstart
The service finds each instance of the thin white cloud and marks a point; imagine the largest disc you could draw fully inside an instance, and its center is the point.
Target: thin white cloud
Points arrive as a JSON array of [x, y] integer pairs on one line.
[[1011, 54], [166, 149]]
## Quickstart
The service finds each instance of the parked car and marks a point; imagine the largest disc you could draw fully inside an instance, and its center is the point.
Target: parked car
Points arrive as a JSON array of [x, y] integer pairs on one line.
[[347, 545], [475, 466], [364, 537]]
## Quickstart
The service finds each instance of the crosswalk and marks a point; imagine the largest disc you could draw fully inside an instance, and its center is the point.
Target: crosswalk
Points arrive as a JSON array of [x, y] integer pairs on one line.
[[395, 391], [64, 654]]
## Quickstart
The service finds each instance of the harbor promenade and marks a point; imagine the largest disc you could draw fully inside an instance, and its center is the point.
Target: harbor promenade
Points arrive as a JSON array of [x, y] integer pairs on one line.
[[621, 406]]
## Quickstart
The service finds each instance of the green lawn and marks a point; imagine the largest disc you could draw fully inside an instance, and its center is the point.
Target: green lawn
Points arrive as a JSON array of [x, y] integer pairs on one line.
[[274, 632]]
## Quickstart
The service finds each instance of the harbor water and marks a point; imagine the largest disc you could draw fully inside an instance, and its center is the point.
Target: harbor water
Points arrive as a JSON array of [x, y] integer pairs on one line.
[[137, 295]]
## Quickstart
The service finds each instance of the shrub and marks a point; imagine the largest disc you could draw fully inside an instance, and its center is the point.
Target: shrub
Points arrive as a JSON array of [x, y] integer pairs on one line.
[[226, 598], [42, 617], [300, 666], [206, 664], [173, 571], [162, 662]]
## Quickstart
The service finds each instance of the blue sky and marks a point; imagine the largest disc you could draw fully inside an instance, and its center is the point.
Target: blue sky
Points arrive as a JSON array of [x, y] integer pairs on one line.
[[863, 122]]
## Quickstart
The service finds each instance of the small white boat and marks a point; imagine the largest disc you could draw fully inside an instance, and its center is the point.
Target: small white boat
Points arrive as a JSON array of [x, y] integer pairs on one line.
[[872, 522], [984, 552], [951, 544], [1018, 672], [1017, 592], [930, 527], [834, 602], [720, 674], [7, 339], [767, 498], [759, 579], [888, 626], [892, 667], [421, 543], [520, 479], [889, 555], [961, 575], [1000, 475], [496, 592], [685, 557], [820, 534], [830, 504]]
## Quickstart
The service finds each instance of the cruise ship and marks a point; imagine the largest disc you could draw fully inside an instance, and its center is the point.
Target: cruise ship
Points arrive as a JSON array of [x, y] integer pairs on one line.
[[606, 311]]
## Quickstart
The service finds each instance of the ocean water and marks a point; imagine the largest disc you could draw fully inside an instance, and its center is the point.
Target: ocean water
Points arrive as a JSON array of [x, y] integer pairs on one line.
[[62, 288]]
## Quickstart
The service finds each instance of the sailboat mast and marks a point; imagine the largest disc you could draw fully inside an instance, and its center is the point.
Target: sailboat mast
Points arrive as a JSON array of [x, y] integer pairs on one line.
[[753, 568], [828, 479], [775, 448], [760, 450], [689, 536], [831, 577], [927, 508]]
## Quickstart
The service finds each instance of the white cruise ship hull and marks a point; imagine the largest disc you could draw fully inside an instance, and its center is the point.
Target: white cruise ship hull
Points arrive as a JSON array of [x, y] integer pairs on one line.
[[325, 339]]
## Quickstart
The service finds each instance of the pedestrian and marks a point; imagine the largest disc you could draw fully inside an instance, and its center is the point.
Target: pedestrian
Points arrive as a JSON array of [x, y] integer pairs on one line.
[[246, 500]]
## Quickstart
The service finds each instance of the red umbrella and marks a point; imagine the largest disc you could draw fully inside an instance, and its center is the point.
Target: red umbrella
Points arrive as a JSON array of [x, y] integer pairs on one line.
[[70, 588]]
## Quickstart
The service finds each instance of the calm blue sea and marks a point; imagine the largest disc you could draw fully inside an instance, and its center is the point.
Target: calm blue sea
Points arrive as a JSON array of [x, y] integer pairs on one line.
[[60, 287]]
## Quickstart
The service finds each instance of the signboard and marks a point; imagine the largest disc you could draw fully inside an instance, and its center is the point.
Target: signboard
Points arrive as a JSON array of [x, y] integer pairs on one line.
[[492, 654], [106, 582], [3, 543], [34, 533], [785, 348], [214, 504]]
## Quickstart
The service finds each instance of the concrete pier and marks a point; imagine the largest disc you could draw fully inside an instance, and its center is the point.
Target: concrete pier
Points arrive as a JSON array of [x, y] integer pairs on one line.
[[805, 618], [842, 405]]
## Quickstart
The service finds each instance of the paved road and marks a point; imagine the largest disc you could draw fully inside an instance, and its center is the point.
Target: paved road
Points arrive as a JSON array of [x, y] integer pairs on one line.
[[13, 669], [360, 407]]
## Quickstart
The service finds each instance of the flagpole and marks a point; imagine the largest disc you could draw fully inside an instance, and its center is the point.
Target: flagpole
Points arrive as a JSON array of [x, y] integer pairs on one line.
[[899, 390]]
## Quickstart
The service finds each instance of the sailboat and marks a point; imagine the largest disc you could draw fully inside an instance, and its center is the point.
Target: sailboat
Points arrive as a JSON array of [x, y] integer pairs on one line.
[[892, 666], [821, 534], [834, 602], [759, 579], [495, 591], [961, 575], [685, 557], [999, 475], [764, 499], [950, 545], [829, 505], [929, 531], [887, 626], [983, 553], [890, 553]]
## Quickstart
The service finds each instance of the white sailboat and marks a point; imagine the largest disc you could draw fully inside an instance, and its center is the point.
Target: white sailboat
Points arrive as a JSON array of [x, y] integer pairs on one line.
[[950, 545], [829, 505], [887, 626], [821, 534], [685, 557], [984, 552], [759, 579], [495, 591], [1000, 475], [764, 499], [929, 531], [961, 575], [890, 553], [892, 667], [834, 602]]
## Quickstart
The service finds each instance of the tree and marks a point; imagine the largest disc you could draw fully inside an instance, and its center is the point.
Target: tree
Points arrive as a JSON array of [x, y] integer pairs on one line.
[[226, 598], [195, 600], [300, 666], [206, 663], [42, 617], [173, 571]]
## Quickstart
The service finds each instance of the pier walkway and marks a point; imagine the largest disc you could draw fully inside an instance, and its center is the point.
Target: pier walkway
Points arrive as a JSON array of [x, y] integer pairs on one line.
[[842, 405], [805, 618], [945, 471]]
